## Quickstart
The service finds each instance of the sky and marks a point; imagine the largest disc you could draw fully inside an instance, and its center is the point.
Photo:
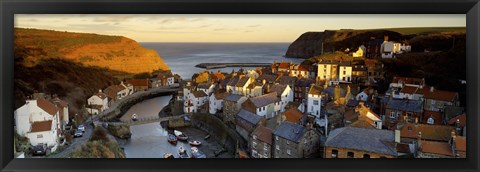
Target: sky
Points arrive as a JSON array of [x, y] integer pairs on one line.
[[226, 28]]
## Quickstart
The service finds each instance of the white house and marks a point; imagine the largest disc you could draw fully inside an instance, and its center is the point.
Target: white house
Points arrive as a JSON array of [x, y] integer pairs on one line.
[[345, 72], [38, 120], [242, 84], [216, 102], [206, 87], [254, 89], [327, 70], [314, 100], [284, 92], [100, 100], [360, 52], [297, 70], [267, 105], [195, 100], [362, 96], [63, 112], [253, 73]]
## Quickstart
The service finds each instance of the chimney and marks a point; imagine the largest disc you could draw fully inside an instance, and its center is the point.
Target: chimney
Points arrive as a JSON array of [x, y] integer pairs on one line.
[[264, 81], [454, 135], [419, 140], [268, 88], [385, 38], [416, 121], [458, 127], [397, 136], [100, 90], [432, 89]]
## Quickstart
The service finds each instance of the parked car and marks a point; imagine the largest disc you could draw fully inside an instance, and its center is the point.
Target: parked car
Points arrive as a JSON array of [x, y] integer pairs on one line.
[[78, 133], [81, 128], [39, 150]]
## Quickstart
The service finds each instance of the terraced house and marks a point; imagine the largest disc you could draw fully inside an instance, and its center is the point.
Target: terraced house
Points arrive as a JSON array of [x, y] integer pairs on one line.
[[295, 141]]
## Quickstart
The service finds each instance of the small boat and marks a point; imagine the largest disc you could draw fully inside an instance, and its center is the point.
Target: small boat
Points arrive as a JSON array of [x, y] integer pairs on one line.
[[206, 137], [134, 117], [197, 153], [172, 138], [182, 153], [168, 155], [180, 135], [195, 143]]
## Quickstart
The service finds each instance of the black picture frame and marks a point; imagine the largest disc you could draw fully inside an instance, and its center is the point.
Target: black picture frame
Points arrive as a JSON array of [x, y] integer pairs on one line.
[[9, 7]]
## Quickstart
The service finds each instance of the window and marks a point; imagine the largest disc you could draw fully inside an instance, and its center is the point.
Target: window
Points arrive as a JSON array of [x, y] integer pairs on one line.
[[410, 128], [344, 78], [289, 152], [277, 147], [40, 136], [366, 155], [254, 144], [288, 142], [392, 114], [350, 154], [344, 72], [334, 153], [315, 102], [276, 137], [265, 147]]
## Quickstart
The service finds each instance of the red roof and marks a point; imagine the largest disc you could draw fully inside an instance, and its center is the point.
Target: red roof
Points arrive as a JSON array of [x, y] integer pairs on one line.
[[263, 134], [439, 148], [437, 117], [139, 82], [47, 106], [293, 115], [439, 94], [41, 126], [461, 143], [409, 80], [284, 65], [462, 119], [429, 132], [409, 90]]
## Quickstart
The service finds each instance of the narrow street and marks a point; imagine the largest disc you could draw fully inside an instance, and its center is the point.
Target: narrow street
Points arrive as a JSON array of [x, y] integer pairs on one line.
[[77, 142]]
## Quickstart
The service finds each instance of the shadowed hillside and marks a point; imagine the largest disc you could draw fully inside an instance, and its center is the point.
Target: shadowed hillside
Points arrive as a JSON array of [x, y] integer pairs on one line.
[[309, 44]]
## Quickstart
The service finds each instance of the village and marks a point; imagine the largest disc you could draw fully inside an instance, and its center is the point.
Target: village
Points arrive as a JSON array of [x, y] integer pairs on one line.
[[329, 109]]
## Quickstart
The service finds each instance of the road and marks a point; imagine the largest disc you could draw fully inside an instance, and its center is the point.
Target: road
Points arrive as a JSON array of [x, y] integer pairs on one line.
[[77, 142]]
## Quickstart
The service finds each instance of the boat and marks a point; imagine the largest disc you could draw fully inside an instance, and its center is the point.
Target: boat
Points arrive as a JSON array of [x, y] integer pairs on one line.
[[195, 143], [168, 155], [180, 135], [206, 137], [172, 138], [197, 153], [134, 117], [182, 152]]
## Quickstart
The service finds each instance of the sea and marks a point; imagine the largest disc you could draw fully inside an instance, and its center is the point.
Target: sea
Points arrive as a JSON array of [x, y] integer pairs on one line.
[[182, 57]]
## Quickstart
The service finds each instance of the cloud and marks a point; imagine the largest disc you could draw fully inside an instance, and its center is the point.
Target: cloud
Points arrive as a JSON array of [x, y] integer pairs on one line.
[[256, 25], [115, 18]]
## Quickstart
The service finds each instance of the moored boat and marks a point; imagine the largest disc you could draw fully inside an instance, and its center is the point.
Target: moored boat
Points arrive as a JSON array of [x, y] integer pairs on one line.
[[134, 117], [172, 138], [182, 152], [195, 143], [180, 135], [197, 153], [168, 155]]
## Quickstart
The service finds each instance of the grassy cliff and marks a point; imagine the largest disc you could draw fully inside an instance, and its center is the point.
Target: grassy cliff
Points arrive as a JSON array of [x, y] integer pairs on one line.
[[113, 52]]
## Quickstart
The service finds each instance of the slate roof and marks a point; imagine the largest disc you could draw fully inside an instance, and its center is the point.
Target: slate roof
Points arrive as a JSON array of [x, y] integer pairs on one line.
[[232, 97], [405, 105], [290, 131], [363, 139], [287, 80], [330, 91], [242, 81], [249, 116], [304, 82], [278, 88], [41, 126], [199, 94], [224, 82], [266, 99], [263, 134], [267, 77], [233, 81]]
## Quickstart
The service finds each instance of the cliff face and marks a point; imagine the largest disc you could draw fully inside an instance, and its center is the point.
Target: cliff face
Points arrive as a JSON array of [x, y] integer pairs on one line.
[[75, 65], [309, 44], [112, 52]]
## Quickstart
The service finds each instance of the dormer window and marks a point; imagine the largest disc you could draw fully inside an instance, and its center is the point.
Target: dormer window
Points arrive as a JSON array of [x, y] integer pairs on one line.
[[430, 120]]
